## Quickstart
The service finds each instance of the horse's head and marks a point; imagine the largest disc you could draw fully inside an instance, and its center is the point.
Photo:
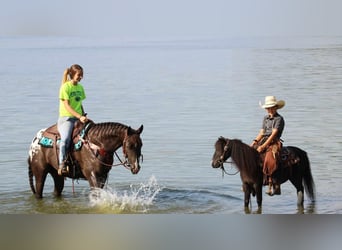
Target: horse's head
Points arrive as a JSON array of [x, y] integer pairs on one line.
[[222, 152], [132, 148]]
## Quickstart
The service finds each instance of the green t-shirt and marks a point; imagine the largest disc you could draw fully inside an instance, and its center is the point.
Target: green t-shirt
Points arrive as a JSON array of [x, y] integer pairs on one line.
[[75, 94]]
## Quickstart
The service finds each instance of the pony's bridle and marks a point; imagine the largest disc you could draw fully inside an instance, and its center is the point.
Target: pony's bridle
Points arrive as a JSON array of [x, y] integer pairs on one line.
[[222, 161], [225, 149]]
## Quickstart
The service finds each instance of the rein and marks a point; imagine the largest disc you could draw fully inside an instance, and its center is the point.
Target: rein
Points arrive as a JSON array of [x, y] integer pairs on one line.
[[101, 151], [224, 170]]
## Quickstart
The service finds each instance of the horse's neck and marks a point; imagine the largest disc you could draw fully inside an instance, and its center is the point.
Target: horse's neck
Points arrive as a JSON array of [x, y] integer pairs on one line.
[[110, 135]]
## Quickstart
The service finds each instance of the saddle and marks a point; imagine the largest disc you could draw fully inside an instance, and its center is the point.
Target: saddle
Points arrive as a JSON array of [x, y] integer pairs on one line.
[[51, 136], [284, 158]]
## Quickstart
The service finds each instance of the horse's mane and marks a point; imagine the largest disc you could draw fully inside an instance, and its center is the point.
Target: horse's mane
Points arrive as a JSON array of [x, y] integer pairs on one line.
[[105, 129], [245, 157]]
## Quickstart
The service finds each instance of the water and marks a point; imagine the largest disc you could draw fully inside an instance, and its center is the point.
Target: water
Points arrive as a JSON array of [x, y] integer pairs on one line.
[[186, 94]]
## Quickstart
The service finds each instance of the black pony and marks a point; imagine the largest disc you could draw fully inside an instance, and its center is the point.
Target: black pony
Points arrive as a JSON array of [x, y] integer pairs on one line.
[[94, 146], [294, 166]]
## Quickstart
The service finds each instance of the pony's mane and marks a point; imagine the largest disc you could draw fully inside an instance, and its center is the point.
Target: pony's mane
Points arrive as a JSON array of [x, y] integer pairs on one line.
[[244, 156], [105, 129]]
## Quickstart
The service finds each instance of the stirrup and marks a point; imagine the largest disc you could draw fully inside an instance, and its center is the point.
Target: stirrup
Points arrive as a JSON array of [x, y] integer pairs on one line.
[[63, 170]]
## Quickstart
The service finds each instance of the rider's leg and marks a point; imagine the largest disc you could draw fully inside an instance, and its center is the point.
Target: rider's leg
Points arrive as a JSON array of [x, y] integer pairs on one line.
[[65, 126]]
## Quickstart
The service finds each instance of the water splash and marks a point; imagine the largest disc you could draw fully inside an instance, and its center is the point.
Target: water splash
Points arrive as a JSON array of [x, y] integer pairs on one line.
[[138, 199]]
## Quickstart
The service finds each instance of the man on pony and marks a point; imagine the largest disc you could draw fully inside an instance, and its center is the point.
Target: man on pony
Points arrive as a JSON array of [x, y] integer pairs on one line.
[[268, 141]]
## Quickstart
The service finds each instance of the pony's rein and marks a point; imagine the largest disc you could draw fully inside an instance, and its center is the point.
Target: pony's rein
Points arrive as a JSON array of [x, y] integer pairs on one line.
[[224, 170]]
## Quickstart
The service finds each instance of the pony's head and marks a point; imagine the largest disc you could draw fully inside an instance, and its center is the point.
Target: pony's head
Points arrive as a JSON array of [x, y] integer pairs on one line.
[[222, 152], [132, 148]]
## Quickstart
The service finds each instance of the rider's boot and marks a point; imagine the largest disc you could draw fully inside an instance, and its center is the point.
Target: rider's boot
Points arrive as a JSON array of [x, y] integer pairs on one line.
[[277, 189], [269, 191], [63, 169]]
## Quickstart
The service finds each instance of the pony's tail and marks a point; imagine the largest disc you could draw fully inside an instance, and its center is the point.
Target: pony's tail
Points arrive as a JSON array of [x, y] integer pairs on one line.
[[30, 174], [309, 184]]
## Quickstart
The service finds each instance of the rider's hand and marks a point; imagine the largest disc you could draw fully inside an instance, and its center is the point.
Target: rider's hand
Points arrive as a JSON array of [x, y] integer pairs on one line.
[[260, 149], [83, 119]]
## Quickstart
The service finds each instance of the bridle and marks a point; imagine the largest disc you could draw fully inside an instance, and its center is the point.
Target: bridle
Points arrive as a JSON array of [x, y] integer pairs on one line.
[[96, 150], [221, 160], [126, 164]]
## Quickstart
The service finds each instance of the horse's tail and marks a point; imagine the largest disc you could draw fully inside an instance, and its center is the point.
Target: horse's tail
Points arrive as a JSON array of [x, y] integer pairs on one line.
[[30, 174], [309, 184]]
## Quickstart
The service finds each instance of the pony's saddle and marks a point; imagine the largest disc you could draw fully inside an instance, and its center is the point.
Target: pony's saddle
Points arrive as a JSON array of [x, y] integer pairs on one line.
[[51, 137]]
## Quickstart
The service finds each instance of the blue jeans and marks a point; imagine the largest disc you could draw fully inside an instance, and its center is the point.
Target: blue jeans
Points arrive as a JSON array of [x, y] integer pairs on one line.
[[65, 127]]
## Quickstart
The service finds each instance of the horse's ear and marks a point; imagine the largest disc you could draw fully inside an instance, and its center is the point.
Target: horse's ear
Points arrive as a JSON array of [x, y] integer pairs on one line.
[[129, 131], [140, 129]]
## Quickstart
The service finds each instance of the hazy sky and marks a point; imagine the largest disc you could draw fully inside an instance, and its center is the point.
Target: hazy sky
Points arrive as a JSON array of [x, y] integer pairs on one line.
[[171, 18]]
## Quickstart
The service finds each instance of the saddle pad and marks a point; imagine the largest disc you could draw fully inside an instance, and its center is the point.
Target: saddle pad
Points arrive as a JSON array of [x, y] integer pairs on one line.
[[51, 134], [46, 142]]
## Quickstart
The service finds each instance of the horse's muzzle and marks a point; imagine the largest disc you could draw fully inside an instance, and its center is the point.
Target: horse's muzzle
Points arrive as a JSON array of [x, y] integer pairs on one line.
[[135, 168], [216, 163]]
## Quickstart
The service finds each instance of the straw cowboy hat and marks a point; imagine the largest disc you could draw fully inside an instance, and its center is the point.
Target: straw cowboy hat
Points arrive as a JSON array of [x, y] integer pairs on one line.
[[271, 101]]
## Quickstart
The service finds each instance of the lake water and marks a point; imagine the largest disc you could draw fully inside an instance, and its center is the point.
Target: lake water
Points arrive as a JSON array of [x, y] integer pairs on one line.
[[186, 94]]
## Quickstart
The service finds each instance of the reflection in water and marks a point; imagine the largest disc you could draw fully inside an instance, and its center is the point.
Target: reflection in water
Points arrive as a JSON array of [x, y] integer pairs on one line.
[[311, 208], [250, 211]]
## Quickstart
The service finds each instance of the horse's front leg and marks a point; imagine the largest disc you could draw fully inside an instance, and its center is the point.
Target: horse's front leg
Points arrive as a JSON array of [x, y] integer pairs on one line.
[[247, 192], [92, 179], [258, 189], [97, 180]]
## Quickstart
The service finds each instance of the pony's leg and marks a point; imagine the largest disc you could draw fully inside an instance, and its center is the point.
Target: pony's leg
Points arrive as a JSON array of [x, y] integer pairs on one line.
[[300, 198], [247, 191], [258, 189], [300, 191]]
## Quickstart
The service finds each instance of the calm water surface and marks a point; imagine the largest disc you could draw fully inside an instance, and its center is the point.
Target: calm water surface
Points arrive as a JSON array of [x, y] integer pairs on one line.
[[186, 94]]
